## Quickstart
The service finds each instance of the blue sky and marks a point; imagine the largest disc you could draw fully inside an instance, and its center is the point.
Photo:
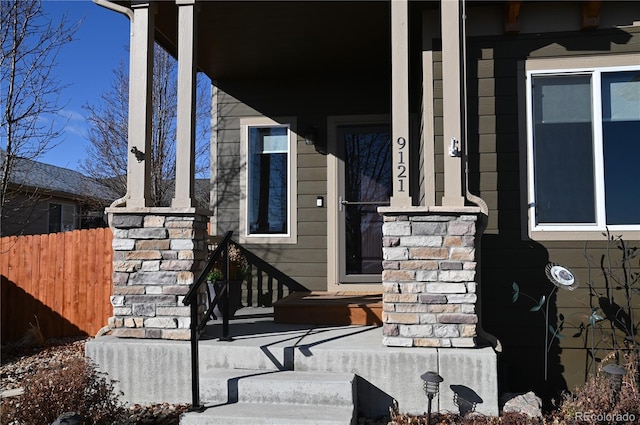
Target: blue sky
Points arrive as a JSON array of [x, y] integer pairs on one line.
[[86, 64]]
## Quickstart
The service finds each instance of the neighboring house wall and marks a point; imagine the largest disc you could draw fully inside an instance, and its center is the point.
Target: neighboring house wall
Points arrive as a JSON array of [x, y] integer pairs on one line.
[[50, 213], [498, 172], [43, 198], [26, 216]]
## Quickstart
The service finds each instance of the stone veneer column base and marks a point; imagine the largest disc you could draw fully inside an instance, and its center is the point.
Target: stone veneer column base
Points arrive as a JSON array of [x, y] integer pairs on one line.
[[429, 276], [156, 255]]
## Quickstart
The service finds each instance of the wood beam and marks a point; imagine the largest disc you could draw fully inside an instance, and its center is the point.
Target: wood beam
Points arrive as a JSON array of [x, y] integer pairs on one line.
[[590, 18], [512, 17]]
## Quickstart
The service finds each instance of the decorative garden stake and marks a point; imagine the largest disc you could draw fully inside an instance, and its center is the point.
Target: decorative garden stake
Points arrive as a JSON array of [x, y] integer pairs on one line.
[[431, 383], [563, 278]]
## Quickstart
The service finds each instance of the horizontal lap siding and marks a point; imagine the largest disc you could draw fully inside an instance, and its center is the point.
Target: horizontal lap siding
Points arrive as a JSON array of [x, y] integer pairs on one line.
[[311, 100], [305, 261], [61, 281], [495, 165]]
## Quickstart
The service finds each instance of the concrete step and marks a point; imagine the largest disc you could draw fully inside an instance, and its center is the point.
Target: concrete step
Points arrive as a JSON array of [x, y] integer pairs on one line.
[[271, 414], [233, 355], [289, 387], [237, 396]]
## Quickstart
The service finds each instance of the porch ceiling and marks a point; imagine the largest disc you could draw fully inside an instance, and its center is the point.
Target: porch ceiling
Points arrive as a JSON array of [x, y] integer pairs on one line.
[[241, 39]]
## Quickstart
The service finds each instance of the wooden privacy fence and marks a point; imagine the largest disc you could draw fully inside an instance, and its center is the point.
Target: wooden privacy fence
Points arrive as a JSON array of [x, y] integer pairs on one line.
[[63, 279]]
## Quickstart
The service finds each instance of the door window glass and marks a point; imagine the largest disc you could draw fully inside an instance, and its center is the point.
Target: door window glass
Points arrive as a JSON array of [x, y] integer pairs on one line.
[[367, 186]]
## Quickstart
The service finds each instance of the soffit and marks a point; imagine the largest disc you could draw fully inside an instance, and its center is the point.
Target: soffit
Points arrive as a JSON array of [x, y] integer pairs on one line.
[[239, 39]]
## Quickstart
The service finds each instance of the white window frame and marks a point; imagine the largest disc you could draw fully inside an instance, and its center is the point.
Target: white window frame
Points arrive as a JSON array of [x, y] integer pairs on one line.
[[290, 236], [593, 66]]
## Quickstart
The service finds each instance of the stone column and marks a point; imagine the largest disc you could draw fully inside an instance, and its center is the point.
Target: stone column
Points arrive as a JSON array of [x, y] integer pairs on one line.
[[429, 276], [158, 253]]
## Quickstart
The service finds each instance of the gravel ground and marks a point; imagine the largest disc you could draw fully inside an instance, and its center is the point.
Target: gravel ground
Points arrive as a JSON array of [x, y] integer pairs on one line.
[[18, 363]]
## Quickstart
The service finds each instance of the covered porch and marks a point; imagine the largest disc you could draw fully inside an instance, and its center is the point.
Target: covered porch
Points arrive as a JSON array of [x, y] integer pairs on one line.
[[427, 243], [320, 67]]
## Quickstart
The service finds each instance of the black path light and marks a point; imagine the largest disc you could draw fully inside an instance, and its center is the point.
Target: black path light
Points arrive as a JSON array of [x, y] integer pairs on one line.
[[615, 373], [431, 387]]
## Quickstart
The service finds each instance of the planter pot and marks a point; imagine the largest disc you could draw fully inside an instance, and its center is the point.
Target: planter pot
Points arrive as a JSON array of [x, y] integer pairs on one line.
[[235, 298]]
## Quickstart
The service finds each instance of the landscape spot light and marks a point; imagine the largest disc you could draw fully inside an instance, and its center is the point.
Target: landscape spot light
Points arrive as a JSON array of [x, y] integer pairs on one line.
[[465, 398], [465, 406], [431, 386], [614, 373]]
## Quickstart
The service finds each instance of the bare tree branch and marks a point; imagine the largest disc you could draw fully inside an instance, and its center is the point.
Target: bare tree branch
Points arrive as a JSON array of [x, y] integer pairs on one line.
[[30, 89], [107, 153]]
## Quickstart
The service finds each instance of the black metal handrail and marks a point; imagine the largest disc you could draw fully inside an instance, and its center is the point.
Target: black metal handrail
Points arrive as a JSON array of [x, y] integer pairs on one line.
[[198, 324], [191, 299], [261, 267]]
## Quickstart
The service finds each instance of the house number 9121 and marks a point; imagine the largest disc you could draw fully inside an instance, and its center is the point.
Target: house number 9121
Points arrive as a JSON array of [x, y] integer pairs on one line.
[[401, 166]]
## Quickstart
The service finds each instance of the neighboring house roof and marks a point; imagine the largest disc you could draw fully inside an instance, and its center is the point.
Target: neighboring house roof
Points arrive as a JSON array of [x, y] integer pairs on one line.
[[37, 175]]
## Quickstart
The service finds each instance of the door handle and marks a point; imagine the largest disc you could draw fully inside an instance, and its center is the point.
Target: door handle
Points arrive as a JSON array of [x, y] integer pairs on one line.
[[342, 202]]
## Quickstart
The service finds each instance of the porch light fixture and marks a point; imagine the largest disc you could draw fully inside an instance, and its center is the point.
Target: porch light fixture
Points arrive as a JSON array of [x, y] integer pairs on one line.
[[310, 135], [615, 373], [454, 147], [431, 387]]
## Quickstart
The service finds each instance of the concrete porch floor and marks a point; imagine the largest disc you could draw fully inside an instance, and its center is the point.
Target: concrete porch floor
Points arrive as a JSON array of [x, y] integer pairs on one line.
[[154, 371]]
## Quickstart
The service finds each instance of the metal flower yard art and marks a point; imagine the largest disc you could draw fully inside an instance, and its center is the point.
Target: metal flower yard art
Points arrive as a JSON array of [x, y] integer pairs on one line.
[[563, 278]]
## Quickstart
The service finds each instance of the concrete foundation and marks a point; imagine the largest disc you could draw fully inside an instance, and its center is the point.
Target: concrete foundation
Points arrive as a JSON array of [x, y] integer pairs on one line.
[[153, 371]]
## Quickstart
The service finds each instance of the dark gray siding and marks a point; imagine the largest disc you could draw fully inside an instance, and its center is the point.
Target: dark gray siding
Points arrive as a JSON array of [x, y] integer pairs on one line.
[[310, 101], [495, 159]]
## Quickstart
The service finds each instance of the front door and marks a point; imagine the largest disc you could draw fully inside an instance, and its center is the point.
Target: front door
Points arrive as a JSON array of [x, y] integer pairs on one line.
[[364, 184]]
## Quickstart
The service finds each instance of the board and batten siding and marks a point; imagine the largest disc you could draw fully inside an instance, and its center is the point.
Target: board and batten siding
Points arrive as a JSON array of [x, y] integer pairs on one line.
[[497, 166]]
